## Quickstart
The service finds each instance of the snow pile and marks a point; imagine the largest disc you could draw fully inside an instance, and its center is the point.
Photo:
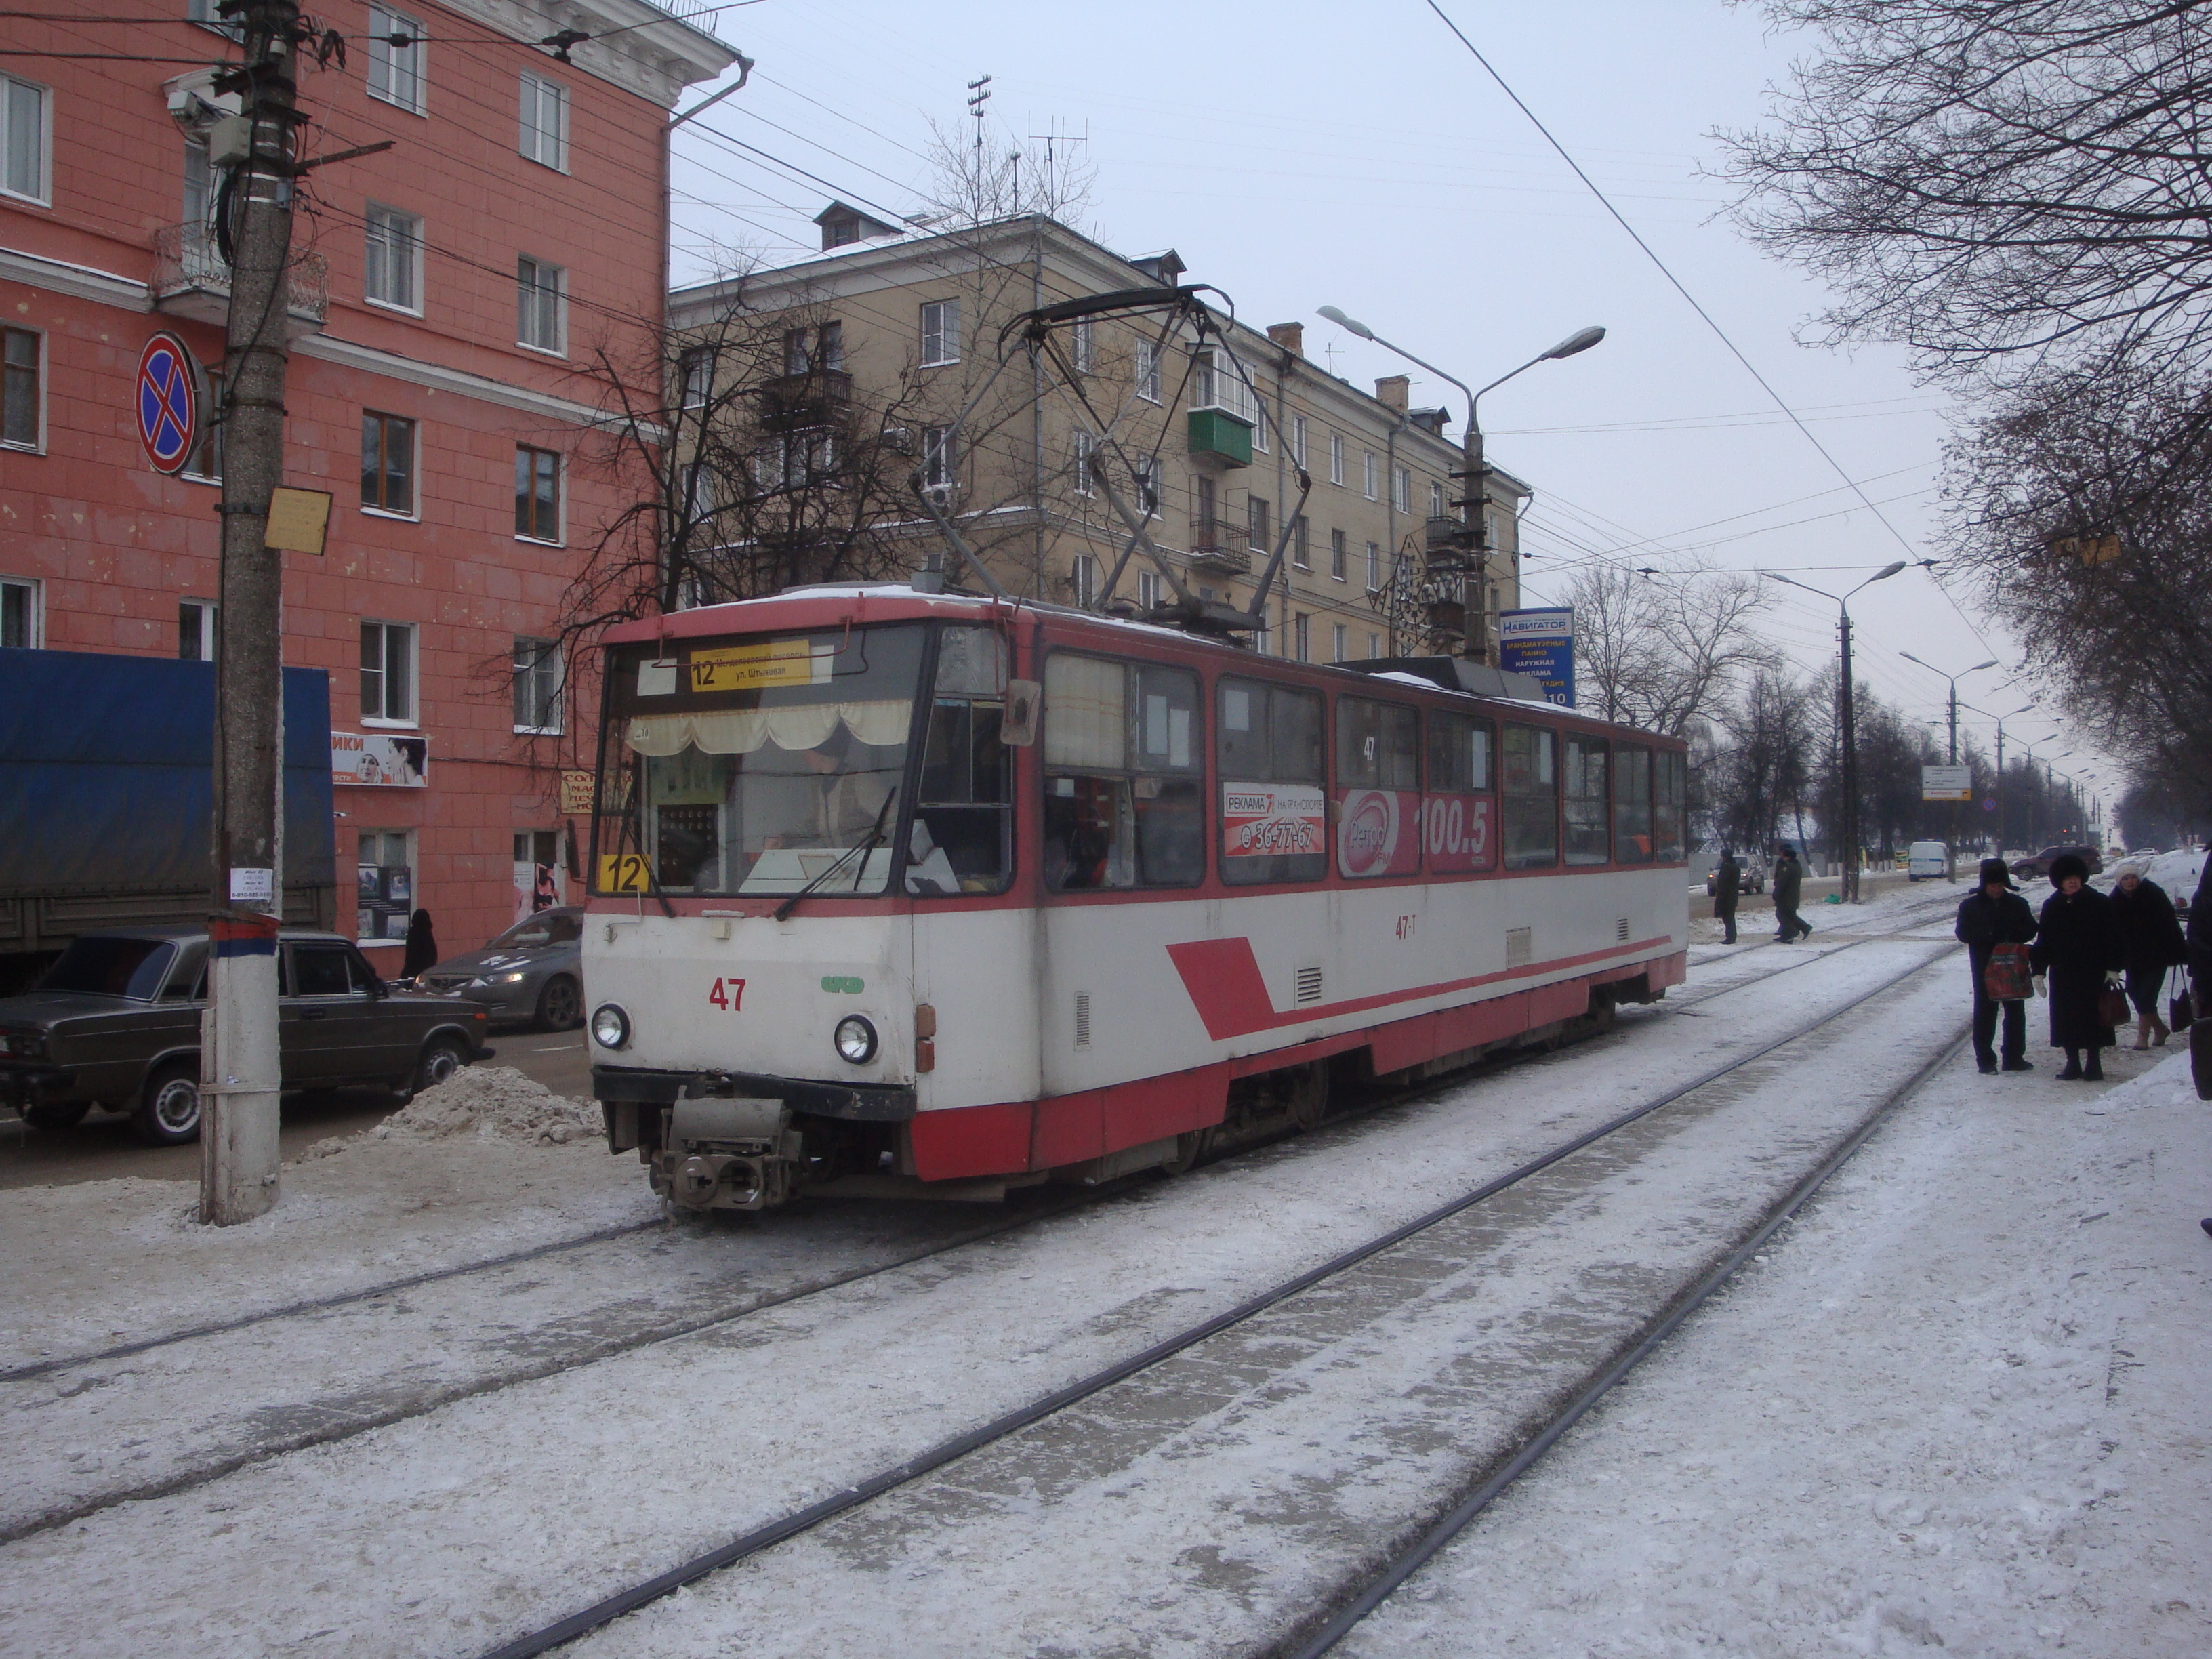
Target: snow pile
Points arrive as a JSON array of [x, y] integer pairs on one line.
[[491, 1103]]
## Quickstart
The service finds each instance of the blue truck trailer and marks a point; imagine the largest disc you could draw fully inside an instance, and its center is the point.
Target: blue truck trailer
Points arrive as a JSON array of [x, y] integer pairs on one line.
[[106, 798]]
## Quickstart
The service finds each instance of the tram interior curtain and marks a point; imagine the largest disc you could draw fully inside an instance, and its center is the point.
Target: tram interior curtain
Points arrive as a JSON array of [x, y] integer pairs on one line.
[[1086, 713], [743, 731]]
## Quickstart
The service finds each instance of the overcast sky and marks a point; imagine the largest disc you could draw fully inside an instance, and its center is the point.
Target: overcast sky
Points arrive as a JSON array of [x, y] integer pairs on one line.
[[1297, 155]]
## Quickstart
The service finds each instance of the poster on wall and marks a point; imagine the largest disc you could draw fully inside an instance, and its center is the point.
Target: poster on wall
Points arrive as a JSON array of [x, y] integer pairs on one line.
[[1541, 643], [379, 760], [1261, 820]]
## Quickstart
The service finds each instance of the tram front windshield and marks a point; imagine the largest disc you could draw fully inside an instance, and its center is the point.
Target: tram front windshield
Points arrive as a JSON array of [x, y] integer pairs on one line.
[[759, 765]]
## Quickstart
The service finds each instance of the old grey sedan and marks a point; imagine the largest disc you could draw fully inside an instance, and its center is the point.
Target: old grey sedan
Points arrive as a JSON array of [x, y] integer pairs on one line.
[[532, 971], [116, 1022]]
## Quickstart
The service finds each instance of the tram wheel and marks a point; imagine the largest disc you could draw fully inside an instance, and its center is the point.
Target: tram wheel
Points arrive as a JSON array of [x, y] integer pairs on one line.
[[1189, 1148], [1308, 1095]]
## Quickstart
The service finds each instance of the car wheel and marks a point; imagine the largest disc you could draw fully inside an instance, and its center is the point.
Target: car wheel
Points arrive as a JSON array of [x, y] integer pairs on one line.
[[64, 1116], [441, 1058], [169, 1110], [561, 1005]]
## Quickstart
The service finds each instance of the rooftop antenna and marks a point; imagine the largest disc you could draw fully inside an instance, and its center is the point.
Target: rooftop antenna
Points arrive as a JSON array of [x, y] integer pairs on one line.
[[979, 95]]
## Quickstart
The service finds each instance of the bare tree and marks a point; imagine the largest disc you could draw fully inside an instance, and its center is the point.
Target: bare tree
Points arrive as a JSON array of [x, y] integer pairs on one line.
[[1761, 771], [1997, 185], [1663, 653]]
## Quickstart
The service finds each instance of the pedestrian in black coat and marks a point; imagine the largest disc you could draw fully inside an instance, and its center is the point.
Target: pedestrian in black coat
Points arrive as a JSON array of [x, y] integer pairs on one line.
[[421, 954], [1789, 886], [1726, 886], [1995, 913], [2151, 938], [2198, 937], [2076, 946]]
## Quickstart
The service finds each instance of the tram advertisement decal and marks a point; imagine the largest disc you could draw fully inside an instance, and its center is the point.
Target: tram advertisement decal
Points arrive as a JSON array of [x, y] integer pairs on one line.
[[1459, 833], [1261, 820], [767, 662], [1378, 833]]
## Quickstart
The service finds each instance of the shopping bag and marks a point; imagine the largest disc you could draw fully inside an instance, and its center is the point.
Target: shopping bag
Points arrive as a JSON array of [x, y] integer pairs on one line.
[[2007, 979], [2181, 1007], [2113, 1007]]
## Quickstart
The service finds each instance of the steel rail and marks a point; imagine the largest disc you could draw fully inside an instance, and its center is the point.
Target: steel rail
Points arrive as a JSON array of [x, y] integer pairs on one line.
[[609, 1608]]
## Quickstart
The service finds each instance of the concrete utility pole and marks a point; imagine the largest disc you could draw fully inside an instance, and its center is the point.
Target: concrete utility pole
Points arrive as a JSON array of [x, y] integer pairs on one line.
[[240, 1065]]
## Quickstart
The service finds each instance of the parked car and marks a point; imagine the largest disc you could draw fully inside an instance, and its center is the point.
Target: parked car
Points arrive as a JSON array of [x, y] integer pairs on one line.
[[2036, 866], [532, 971], [1753, 880], [116, 1023], [1928, 860]]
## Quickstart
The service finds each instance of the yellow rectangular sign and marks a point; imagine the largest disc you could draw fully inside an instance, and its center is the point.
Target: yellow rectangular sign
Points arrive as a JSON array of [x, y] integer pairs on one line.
[[770, 662], [623, 872], [299, 519], [576, 791]]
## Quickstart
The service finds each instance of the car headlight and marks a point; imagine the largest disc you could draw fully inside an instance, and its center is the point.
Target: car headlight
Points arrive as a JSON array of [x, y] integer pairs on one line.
[[855, 1039], [610, 1026], [511, 979]]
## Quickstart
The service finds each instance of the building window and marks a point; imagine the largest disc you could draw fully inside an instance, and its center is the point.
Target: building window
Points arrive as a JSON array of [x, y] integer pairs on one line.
[[22, 139], [395, 59], [1218, 380], [1374, 646], [22, 400], [805, 350], [940, 457], [1148, 590], [940, 332], [536, 685], [387, 464], [1401, 489], [1374, 567], [196, 630], [1085, 463], [384, 881], [537, 493], [387, 672], [199, 198], [1148, 370], [697, 373], [1339, 556], [1256, 515], [1145, 471], [541, 321], [1370, 473], [21, 625], [1301, 553], [1259, 425], [1298, 439], [1083, 580], [392, 273], [1339, 639], [1336, 457], [1436, 500], [1302, 636], [203, 13], [545, 122], [1083, 346]]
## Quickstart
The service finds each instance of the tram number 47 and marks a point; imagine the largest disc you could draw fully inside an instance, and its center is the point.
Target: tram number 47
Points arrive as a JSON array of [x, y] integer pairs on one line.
[[727, 994], [1407, 925]]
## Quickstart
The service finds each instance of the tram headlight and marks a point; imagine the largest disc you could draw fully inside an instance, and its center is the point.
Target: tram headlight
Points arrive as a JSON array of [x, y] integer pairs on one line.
[[855, 1039], [610, 1026]]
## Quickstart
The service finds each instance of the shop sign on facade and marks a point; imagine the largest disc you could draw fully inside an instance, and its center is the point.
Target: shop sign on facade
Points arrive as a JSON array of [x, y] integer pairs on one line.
[[379, 760]]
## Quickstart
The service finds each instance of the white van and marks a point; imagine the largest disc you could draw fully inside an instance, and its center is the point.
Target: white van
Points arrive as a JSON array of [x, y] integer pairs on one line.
[[1928, 859]]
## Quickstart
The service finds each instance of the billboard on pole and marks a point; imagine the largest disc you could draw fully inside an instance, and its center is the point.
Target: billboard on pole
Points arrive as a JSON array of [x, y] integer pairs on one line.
[[1540, 642], [1946, 783]]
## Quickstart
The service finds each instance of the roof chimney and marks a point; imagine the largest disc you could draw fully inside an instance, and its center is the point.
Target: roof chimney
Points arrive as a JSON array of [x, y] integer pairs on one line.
[[1292, 337], [1395, 389]]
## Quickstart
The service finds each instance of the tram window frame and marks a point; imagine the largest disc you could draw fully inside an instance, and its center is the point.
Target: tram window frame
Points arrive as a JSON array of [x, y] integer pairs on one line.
[[1634, 830], [1381, 762], [1528, 796], [1670, 801], [1270, 751], [961, 756], [1378, 752], [1459, 757], [1126, 765], [1585, 801]]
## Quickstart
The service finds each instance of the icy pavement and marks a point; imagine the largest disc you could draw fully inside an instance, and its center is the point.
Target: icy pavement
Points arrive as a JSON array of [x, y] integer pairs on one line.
[[1960, 1408]]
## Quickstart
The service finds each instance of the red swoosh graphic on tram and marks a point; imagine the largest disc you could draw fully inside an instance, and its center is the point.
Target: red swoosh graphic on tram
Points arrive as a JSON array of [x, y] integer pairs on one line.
[[1223, 978]]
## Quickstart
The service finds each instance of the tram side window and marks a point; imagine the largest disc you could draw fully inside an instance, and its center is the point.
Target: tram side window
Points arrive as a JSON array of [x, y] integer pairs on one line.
[[1589, 837], [1377, 745], [962, 841], [1274, 825], [1459, 813], [1631, 805], [1122, 806], [1671, 794], [1532, 797]]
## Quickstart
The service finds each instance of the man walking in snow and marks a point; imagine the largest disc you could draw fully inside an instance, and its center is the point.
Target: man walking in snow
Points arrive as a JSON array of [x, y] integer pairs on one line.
[[1995, 913], [1788, 884], [1727, 882]]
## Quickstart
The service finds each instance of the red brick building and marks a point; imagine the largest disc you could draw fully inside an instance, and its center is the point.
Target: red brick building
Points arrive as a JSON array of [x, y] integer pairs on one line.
[[450, 296]]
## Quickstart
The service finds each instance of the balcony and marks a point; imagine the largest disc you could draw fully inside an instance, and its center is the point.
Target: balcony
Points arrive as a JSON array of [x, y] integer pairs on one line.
[[1219, 438], [800, 403], [1222, 546], [191, 280]]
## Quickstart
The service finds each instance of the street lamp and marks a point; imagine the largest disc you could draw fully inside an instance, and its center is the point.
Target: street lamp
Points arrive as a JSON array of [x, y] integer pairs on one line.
[[1846, 721], [1954, 679], [1473, 467], [2025, 708]]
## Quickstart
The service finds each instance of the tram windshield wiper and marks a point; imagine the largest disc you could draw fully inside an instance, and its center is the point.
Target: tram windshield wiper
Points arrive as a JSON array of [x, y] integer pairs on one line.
[[875, 836]]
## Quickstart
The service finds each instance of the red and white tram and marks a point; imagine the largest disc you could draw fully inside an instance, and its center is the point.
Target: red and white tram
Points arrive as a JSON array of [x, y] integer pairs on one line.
[[891, 886]]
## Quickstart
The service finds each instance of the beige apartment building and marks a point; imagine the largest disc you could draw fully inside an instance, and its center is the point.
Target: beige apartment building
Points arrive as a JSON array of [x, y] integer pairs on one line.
[[899, 336]]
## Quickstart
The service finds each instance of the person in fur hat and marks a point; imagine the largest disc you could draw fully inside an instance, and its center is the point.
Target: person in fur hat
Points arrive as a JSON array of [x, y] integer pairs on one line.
[[2077, 943]]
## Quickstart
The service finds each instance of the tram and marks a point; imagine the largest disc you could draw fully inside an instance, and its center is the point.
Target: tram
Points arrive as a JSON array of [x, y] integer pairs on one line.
[[901, 891]]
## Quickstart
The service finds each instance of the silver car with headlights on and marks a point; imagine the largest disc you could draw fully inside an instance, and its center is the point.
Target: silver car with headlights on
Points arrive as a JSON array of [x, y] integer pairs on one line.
[[533, 971]]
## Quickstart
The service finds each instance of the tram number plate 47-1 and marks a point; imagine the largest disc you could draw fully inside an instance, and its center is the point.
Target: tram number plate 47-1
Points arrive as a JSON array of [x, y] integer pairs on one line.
[[727, 994]]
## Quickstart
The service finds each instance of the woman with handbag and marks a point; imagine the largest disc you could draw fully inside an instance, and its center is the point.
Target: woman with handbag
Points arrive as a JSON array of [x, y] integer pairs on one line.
[[2077, 944], [1995, 924], [2151, 941]]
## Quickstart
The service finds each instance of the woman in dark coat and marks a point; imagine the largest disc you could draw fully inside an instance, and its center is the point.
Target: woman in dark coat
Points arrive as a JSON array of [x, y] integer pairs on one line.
[[1727, 882], [2150, 936], [2076, 945], [421, 947]]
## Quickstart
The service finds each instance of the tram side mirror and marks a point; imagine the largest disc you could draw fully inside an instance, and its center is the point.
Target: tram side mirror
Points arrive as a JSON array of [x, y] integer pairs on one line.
[[1017, 728]]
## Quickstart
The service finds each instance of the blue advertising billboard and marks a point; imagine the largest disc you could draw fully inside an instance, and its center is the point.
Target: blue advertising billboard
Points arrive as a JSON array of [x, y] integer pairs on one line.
[[1541, 643]]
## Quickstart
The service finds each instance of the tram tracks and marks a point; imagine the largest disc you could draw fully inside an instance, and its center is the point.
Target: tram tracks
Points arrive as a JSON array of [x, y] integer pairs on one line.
[[1053, 1404], [623, 1329]]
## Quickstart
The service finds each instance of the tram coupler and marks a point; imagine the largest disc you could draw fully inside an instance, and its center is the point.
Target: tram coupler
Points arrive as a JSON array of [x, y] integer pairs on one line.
[[726, 1153]]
